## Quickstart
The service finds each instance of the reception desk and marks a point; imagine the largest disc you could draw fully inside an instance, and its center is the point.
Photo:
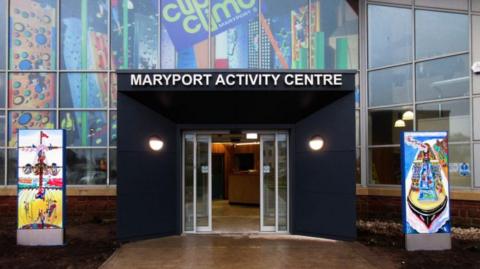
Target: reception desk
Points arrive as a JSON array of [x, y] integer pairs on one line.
[[244, 188]]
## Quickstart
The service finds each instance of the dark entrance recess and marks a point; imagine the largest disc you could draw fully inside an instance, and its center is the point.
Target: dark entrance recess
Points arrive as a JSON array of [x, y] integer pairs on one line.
[[322, 184], [218, 176]]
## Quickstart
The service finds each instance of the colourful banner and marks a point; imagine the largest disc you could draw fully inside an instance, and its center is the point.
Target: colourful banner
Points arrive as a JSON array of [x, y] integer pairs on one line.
[[41, 179], [425, 183], [187, 21]]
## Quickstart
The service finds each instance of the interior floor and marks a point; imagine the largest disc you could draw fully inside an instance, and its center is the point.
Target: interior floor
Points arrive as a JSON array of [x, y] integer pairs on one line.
[[233, 218]]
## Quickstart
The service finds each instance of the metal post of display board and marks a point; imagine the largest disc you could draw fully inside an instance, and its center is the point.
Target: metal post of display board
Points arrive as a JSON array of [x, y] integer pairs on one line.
[[425, 190], [41, 187]]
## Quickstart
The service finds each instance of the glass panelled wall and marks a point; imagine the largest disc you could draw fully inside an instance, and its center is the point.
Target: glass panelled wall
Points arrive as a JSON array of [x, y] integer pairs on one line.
[[59, 59], [418, 79], [57, 74]]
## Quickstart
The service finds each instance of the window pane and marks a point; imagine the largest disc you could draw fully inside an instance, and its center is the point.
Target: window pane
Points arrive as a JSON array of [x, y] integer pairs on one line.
[[32, 90], [459, 160], [476, 5], [28, 120], [237, 46], [33, 34], [357, 91], [184, 43], [440, 33], [476, 118], [134, 33], [390, 86], [358, 167], [284, 34], [2, 132], [385, 166], [3, 34], [455, 4], [12, 164], [3, 89], [408, 2], [113, 167], [476, 50], [113, 128], [85, 128], [113, 90], [333, 34], [357, 127], [83, 90], [386, 125], [86, 166], [452, 116], [2, 167], [389, 27], [443, 78], [476, 158], [84, 39]]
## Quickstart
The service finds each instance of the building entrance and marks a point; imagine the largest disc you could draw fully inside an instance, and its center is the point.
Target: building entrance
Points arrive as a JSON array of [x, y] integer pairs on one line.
[[178, 189], [235, 182]]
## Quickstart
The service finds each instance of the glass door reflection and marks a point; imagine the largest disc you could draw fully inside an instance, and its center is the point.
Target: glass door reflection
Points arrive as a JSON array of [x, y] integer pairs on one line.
[[203, 184], [197, 183], [274, 182]]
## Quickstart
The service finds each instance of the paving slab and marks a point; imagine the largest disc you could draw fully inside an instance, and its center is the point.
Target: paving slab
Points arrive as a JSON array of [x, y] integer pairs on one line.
[[245, 251]]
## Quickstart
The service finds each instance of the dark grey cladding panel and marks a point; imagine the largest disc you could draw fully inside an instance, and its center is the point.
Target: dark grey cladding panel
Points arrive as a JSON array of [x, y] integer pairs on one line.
[[334, 123], [323, 188], [147, 189]]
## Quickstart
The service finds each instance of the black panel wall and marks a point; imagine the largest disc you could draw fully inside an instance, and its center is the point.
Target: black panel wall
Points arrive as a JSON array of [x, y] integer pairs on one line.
[[147, 190], [323, 187]]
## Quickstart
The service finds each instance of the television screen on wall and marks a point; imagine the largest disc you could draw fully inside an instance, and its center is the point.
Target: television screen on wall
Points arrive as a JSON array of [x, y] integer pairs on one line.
[[245, 161]]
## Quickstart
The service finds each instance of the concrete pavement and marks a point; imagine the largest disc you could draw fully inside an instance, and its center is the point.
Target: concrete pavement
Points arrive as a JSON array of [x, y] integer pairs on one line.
[[245, 251]]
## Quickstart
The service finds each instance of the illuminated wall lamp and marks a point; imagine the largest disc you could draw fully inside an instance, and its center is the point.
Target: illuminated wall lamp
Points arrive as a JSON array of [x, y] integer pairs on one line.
[[155, 143], [316, 143]]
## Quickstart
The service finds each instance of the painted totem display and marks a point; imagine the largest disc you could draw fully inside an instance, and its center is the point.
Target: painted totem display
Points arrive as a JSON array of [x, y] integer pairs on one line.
[[41, 187], [425, 183]]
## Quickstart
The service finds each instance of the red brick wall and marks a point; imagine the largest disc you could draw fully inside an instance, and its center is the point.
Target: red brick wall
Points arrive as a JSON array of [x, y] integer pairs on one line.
[[81, 209], [8, 210], [463, 213]]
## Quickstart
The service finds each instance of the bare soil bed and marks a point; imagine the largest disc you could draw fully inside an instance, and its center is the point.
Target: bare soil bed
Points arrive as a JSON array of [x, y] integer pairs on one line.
[[387, 237], [88, 246]]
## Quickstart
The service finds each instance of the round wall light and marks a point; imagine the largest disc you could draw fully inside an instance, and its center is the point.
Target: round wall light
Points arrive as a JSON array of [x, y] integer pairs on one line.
[[155, 143], [316, 143]]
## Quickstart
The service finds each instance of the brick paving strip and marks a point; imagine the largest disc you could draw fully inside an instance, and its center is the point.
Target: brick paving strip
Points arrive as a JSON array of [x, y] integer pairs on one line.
[[245, 251]]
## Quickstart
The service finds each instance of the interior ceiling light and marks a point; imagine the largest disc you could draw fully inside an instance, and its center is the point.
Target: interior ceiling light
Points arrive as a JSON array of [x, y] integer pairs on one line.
[[252, 136], [407, 115], [399, 123]]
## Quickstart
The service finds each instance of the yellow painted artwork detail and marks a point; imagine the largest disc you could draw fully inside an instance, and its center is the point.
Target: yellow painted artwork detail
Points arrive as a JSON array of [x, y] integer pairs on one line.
[[40, 213]]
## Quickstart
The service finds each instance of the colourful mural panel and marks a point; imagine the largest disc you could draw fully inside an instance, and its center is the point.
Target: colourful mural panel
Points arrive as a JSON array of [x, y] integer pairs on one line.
[[425, 183], [31, 91], [33, 35], [84, 36], [28, 120], [284, 28]]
